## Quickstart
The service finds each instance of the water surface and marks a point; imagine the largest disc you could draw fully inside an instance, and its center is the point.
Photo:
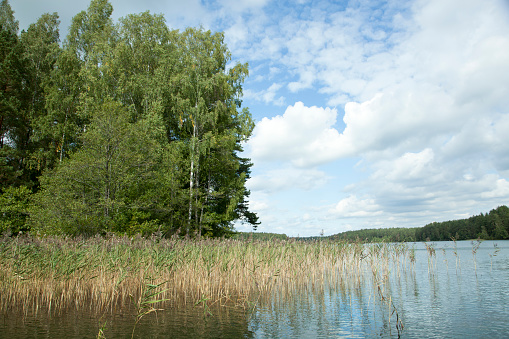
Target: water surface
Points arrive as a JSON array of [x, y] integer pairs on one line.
[[451, 293]]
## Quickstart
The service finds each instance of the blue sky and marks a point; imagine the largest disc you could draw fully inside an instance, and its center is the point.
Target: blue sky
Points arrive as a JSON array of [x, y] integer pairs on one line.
[[369, 113]]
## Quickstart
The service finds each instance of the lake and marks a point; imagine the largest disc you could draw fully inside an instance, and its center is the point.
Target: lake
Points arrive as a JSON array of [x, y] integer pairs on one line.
[[449, 290]]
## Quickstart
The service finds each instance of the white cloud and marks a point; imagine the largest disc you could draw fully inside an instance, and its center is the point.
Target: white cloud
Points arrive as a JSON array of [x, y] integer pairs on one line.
[[287, 178], [500, 189], [409, 168], [258, 206], [241, 6], [354, 207], [303, 136], [413, 87], [424, 90], [267, 96]]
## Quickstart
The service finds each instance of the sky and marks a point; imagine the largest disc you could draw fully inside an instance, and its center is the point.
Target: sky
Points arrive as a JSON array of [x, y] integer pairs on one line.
[[369, 114]]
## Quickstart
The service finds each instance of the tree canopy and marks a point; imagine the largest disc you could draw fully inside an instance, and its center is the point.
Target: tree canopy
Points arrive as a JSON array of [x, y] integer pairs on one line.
[[123, 127], [489, 226]]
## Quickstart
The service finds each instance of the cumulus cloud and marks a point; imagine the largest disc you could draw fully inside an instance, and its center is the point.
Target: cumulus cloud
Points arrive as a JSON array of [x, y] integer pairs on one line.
[[499, 189], [352, 206], [423, 89], [303, 136], [418, 82], [422, 92], [287, 178]]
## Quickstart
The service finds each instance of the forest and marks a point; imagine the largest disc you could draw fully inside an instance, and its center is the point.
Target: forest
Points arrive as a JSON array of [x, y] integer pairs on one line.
[[489, 226], [260, 236], [125, 127]]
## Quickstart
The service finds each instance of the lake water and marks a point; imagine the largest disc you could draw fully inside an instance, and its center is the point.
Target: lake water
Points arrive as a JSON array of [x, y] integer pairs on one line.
[[449, 294]]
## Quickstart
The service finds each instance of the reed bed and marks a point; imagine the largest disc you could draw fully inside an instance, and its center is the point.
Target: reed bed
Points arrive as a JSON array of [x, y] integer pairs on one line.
[[108, 274]]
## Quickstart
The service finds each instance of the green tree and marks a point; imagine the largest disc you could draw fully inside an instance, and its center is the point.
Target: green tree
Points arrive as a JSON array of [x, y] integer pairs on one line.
[[91, 30], [205, 115], [14, 119], [101, 187], [14, 202], [7, 20], [143, 63], [41, 43], [143, 126], [59, 129], [499, 231]]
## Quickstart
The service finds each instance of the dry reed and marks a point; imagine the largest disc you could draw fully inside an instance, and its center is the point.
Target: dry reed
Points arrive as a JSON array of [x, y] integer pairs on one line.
[[106, 274]]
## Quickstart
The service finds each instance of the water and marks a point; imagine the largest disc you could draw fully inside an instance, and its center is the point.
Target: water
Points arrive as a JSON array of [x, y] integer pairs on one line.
[[468, 300], [450, 294]]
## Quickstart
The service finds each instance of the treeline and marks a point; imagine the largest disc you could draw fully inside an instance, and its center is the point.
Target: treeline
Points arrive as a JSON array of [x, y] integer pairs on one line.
[[490, 226], [378, 235], [260, 236], [126, 127]]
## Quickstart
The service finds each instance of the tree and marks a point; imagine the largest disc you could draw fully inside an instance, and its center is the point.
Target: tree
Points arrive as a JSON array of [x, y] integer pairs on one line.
[[143, 63], [91, 30], [499, 231], [14, 202], [102, 186], [7, 20], [135, 126], [205, 101], [41, 42], [14, 119], [58, 131]]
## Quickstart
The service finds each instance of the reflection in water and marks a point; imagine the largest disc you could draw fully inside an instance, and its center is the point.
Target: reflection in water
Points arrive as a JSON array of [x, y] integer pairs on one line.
[[434, 297], [448, 293], [185, 322], [469, 300], [326, 312]]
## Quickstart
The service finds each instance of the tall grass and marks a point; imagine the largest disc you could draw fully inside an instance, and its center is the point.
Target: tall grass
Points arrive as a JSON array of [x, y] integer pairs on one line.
[[107, 274]]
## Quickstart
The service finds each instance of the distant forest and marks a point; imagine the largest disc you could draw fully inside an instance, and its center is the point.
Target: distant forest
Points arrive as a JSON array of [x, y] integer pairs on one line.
[[490, 226], [262, 236]]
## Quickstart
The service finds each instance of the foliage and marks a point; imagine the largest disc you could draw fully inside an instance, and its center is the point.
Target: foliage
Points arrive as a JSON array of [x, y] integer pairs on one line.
[[491, 226], [14, 119], [7, 19], [378, 235], [260, 236], [14, 202], [128, 127], [103, 184]]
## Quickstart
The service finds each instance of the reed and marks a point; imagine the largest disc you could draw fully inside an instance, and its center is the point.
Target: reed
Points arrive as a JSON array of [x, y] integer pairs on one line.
[[430, 248], [494, 254], [144, 304], [475, 246], [455, 251], [445, 257], [106, 274]]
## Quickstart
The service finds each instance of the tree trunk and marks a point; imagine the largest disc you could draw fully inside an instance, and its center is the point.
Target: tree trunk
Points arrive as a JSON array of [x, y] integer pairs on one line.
[[1, 133], [204, 203], [191, 181], [63, 138]]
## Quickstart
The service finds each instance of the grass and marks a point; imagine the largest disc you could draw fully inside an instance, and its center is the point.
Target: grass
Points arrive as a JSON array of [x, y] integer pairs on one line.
[[112, 273]]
